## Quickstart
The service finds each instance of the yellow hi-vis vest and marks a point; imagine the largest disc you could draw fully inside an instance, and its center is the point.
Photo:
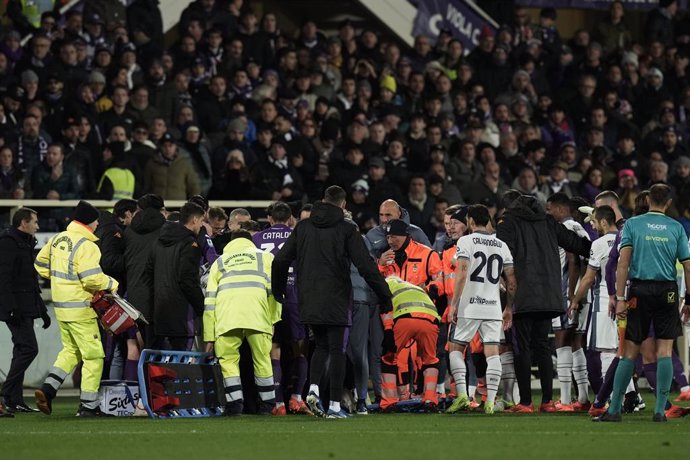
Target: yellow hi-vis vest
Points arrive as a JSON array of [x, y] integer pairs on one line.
[[411, 300], [122, 180], [238, 294], [71, 261], [32, 12]]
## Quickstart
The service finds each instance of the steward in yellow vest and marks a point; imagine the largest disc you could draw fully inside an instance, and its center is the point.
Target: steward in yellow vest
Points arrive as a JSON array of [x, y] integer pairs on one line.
[[71, 261], [239, 305], [410, 328]]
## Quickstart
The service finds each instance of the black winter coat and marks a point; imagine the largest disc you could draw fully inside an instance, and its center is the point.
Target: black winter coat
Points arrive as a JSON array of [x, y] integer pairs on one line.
[[110, 233], [174, 271], [533, 238], [323, 247], [140, 237], [18, 278]]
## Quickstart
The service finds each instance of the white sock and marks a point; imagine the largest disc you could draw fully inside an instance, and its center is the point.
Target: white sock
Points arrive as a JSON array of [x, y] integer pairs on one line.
[[684, 389], [564, 365], [581, 375], [606, 360], [508, 375], [459, 371], [314, 389], [334, 406], [471, 391], [631, 387], [493, 376], [296, 397], [440, 388]]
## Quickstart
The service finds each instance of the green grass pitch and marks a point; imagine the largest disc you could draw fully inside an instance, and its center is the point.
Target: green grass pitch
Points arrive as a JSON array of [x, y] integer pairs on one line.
[[397, 436]]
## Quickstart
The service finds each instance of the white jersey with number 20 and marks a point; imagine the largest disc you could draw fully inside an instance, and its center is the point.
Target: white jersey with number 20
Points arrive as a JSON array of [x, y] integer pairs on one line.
[[488, 257]]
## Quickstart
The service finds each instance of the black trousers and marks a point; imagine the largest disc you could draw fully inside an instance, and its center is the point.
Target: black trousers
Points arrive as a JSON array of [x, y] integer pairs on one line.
[[329, 351], [531, 335], [162, 342], [23, 353]]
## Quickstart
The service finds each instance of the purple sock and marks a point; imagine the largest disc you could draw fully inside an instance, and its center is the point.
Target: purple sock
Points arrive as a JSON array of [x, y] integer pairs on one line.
[[678, 375], [650, 374], [131, 370], [299, 374], [277, 379], [607, 385], [594, 369]]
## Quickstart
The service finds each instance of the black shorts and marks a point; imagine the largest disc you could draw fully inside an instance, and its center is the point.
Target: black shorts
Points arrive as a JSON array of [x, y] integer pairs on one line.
[[653, 303]]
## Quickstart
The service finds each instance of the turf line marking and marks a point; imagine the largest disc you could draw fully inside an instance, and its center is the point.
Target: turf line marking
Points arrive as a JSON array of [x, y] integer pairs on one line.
[[345, 432]]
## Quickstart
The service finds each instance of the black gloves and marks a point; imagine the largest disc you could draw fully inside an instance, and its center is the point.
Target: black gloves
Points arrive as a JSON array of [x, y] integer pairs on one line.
[[386, 305], [388, 341], [279, 296], [433, 292], [46, 319]]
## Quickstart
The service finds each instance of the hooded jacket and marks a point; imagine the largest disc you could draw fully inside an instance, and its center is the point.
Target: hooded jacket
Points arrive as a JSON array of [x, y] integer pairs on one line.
[[533, 238], [323, 247], [377, 237], [110, 233], [174, 270], [139, 239]]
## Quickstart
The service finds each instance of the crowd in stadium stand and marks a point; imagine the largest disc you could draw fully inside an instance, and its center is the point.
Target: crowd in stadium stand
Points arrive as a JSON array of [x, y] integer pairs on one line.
[[238, 108], [95, 107]]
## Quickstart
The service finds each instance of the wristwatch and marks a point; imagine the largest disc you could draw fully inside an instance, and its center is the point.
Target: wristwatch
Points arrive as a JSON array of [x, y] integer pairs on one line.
[[620, 298]]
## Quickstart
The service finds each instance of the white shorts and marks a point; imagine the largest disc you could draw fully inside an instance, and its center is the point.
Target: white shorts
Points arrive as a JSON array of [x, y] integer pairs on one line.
[[464, 331], [602, 334]]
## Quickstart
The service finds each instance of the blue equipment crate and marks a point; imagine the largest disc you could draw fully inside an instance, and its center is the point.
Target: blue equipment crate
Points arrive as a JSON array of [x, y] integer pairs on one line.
[[198, 383]]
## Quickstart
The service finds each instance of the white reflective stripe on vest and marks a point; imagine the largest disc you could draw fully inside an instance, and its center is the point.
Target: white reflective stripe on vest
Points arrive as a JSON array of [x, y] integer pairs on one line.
[[70, 260], [82, 304], [242, 284]]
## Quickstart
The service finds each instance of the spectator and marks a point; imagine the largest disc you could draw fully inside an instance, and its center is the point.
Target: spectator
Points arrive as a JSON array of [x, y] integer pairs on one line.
[[169, 174], [52, 179], [557, 181], [489, 187], [275, 178], [464, 166], [591, 185], [526, 183], [11, 180], [140, 108], [346, 172], [612, 32], [659, 25], [194, 149], [420, 205]]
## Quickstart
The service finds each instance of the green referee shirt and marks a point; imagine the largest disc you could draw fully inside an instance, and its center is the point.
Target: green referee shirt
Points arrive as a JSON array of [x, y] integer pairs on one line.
[[657, 241]]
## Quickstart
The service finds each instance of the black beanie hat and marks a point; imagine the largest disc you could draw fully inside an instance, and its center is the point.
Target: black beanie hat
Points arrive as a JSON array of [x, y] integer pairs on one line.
[[85, 213]]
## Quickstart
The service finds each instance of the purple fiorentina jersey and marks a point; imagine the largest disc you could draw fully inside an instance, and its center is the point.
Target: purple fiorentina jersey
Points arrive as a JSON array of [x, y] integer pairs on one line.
[[271, 240]]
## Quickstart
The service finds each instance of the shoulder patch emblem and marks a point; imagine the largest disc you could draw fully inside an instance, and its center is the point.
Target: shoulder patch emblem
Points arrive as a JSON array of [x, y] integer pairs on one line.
[[194, 245], [118, 235]]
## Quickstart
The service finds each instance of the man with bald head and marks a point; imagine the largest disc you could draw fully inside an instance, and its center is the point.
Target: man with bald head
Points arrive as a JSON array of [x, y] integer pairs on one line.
[[391, 210]]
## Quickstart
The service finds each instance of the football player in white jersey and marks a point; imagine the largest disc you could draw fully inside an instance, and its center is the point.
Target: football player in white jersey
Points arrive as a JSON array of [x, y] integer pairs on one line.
[[476, 306], [602, 334], [570, 355]]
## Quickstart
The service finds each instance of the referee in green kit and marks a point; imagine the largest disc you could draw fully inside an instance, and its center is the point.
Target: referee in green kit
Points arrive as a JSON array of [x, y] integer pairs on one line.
[[650, 245]]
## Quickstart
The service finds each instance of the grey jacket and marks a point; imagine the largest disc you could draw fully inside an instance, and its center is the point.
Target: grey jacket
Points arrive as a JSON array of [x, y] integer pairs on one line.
[[377, 237]]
